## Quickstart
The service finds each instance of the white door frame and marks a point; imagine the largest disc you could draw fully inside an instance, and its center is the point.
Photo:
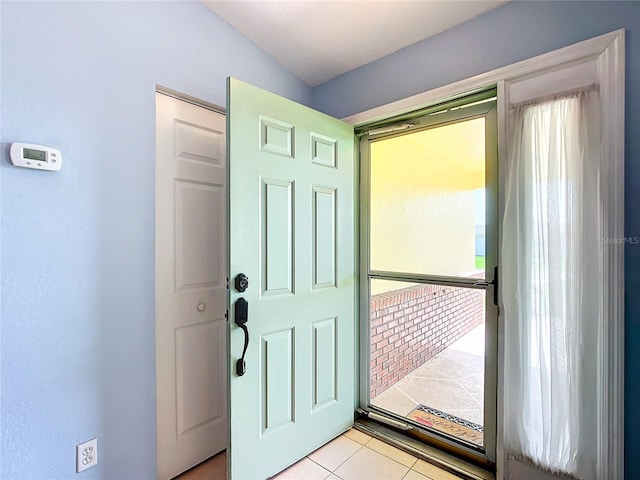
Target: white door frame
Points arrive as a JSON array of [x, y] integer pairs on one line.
[[611, 45], [189, 99]]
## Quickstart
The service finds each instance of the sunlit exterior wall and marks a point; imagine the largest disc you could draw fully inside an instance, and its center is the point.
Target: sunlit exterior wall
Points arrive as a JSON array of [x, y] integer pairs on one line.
[[423, 203]]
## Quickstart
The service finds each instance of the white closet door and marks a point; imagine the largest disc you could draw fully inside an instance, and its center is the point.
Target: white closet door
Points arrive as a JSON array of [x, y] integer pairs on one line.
[[190, 284]]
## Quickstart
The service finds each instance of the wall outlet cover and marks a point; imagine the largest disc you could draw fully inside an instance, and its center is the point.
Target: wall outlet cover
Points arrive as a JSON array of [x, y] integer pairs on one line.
[[86, 455]]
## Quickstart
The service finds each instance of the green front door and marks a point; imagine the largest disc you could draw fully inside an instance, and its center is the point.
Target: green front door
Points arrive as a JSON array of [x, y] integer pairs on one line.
[[291, 232]]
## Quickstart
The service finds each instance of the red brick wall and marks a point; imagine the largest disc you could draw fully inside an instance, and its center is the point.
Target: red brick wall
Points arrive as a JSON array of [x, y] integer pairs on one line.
[[410, 326]]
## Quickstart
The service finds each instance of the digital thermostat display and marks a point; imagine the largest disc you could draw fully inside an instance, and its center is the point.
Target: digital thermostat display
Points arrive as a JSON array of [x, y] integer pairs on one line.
[[38, 157], [33, 154]]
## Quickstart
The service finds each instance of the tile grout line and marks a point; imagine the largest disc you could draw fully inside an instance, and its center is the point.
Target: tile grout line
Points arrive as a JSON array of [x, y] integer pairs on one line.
[[330, 475], [345, 460], [412, 470], [465, 363], [408, 396], [321, 466], [470, 394], [456, 382], [385, 455], [476, 370], [313, 461], [373, 451], [352, 428], [393, 460], [360, 446]]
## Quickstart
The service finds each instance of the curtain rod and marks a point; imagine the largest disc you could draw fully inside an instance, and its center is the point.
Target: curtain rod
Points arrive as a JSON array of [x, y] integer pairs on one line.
[[594, 87]]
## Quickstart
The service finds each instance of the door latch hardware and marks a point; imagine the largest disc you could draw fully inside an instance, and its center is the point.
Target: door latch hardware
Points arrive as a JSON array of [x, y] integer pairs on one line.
[[494, 283], [241, 318], [241, 282]]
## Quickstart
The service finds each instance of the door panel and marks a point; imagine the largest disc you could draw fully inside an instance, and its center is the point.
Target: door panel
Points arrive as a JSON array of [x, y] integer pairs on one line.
[[278, 400], [277, 236], [190, 285], [292, 233], [199, 400], [197, 233], [324, 237], [324, 363]]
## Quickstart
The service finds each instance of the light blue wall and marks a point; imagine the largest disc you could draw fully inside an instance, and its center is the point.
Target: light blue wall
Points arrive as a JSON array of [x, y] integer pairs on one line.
[[514, 32], [77, 325], [77, 307]]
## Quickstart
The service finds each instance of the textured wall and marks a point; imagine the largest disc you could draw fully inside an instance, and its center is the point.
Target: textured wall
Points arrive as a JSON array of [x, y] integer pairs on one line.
[[78, 320], [422, 183]]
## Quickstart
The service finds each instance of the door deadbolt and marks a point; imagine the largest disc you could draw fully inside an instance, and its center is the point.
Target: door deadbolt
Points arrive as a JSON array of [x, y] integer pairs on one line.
[[242, 282]]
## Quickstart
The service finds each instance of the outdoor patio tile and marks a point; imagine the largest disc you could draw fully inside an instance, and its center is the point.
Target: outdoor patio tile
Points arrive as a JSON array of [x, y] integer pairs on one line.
[[441, 394], [395, 401], [474, 384], [357, 436], [475, 416], [472, 359], [452, 382], [472, 342], [392, 452], [366, 464], [446, 368]]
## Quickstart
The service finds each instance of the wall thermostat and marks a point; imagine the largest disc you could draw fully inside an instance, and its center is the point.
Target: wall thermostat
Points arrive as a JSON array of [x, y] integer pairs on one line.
[[37, 157]]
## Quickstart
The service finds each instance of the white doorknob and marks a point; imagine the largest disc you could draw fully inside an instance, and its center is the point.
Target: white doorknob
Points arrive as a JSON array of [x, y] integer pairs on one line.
[[201, 307]]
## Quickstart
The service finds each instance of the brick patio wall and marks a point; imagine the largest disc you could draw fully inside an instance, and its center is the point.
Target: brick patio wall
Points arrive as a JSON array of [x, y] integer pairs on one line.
[[412, 325]]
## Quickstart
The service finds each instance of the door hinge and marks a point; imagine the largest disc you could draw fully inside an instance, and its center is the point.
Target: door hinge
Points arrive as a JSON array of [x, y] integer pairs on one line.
[[227, 283]]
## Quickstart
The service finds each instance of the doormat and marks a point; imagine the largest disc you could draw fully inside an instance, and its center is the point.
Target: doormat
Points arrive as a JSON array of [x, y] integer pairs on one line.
[[450, 424]]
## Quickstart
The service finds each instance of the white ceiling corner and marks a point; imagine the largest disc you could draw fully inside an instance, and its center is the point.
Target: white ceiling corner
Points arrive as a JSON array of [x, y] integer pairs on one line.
[[318, 40]]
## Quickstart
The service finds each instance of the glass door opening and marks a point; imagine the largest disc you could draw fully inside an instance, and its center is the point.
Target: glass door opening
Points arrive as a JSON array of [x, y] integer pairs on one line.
[[432, 249]]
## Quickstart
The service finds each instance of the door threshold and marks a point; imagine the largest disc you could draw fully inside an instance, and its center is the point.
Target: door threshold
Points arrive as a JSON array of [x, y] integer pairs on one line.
[[424, 452]]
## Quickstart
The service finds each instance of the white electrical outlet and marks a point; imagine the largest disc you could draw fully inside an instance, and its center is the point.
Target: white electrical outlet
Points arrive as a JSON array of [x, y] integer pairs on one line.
[[86, 455]]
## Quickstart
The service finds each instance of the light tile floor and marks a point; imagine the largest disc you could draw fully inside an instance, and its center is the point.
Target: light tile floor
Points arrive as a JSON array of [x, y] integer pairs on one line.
[[357, 456], [352, 456], [452, 381]]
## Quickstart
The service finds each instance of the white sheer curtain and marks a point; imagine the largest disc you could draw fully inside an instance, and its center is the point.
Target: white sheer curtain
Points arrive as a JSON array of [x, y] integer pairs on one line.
[[552, 284]]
